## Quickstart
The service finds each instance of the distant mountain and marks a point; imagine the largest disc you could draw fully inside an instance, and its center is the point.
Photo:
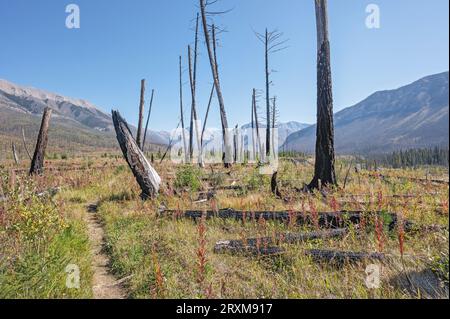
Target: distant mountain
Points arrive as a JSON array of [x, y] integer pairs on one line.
[[413, 116], [24, 106], [284, 129]]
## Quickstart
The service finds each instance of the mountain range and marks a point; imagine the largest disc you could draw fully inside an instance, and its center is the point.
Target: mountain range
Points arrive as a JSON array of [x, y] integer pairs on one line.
[[413, 116], [74, 120]]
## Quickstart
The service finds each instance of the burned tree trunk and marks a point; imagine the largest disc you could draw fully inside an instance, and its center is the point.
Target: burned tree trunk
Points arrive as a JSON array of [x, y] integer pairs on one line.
[[141, 116], [253, 130], [261, 150], [148, 120], [268, 148], [25, 144], [183, 132], [194, 118], [215, 73], [147, 178], [202, 137], [324, 173], [14, 151], [37, 164]]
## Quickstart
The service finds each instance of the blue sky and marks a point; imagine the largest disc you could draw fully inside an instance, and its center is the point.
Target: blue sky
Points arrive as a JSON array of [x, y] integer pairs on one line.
[[121, 42]]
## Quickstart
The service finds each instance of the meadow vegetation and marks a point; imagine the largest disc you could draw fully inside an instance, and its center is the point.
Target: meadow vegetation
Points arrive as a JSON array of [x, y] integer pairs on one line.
[[43, 228]]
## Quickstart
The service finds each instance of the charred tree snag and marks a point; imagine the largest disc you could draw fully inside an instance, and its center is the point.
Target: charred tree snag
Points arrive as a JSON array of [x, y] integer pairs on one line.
[[25, 144], [147, 178], [183, 132], [253, 129], [141, 116], [255, 111], [202, 137], [148, 120], [324, 172], [194, 118], [37, 164], [215, 73], [272, 43], [14, 151], [274, 186]]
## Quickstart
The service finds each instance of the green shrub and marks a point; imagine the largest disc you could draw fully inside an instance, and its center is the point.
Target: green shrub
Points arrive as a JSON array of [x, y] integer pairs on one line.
[[188, 177]]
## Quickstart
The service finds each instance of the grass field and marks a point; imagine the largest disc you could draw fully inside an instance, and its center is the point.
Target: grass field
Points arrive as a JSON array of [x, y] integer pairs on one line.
[[44, 227]]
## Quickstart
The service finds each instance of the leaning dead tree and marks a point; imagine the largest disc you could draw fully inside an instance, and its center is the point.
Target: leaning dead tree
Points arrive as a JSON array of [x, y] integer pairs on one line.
[[212, 53], [146, 176], [141, 116], [14, 151], [148, 120], [202, 137], [272, 43], [324, 172], [37, 163]]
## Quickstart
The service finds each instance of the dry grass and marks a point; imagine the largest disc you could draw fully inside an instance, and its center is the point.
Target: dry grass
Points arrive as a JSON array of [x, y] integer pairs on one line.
[[167, 258]]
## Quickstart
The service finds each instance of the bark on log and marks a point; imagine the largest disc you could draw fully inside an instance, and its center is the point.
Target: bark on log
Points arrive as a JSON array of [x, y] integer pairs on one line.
[[324, 172], [234, 246], [323, 219], [146, 176], [342, 257], [252, 250], [37, 164]]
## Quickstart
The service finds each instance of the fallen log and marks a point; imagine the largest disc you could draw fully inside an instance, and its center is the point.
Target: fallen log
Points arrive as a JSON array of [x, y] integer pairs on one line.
[[146, 176], [322, 219], [37, 164], [236, 246], [253, 251], [342, 257]]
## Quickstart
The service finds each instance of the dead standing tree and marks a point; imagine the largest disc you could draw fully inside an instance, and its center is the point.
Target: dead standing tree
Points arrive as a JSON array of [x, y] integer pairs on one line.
[[25, 144], [14, 151], [272, 43], [183, 132], [37, 164], [141, 116], [324, 172], [202, 137], [193, 81], [258, 139], [215, 73], [146, 176], [148, 120]]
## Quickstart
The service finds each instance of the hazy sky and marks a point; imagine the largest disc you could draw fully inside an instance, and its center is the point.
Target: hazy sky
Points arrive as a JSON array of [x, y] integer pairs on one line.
[[120, 42]]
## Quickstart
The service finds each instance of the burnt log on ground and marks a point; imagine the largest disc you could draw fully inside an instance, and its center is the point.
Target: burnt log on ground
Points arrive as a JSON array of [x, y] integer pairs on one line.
[[37, 164], [146, 176], [322, 219], [237, 246], [342, 257], [412, 179]]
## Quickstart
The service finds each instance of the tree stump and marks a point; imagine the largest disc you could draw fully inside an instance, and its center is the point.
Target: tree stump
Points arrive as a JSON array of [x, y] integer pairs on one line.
[[37, 164]]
